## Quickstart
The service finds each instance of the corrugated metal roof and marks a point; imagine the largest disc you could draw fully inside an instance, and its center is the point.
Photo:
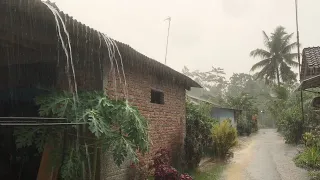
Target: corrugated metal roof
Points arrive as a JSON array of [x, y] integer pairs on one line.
[[73, 25], [215, 105]]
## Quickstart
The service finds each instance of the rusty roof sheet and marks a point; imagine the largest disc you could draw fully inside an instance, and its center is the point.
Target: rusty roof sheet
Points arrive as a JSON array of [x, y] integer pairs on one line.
[[312, 56]]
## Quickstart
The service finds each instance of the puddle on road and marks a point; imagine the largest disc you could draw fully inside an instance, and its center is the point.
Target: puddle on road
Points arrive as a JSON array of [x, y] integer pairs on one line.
[[242, 157]]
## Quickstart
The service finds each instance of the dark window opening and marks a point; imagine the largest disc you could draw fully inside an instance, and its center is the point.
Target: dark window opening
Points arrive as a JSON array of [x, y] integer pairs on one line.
[[157, 97]]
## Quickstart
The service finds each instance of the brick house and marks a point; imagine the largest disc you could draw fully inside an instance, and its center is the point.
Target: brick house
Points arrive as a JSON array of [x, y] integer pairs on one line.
[[32, 57]]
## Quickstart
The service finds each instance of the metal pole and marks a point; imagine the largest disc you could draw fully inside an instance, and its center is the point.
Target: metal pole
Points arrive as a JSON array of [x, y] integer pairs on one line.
[[298, 38], [299, 61], [169, 19]]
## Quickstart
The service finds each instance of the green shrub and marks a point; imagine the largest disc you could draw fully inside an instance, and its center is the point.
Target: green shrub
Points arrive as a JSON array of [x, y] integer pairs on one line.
[[291, 124], [224, 137], [309, 159], [198, 134], [309, 139], [115, 126], [244, 126], [314, 175]]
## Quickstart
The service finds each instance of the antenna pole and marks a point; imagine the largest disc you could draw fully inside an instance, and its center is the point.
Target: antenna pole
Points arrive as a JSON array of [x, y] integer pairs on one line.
[[165, 59], [298, 38], [299, 61]]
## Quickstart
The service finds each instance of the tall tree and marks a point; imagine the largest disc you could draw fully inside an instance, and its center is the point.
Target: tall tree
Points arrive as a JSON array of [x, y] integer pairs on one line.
[[277, 58], [213, 82], [240, 83], [243, 101]]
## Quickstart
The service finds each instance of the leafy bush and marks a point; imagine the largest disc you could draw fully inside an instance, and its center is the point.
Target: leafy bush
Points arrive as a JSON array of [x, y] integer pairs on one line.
[[160, 166], [309, 139], [287, 112], [178, 156], [161, 157], [164, 172], [185, 177], [224, 138], [116, 125], [291, 124], [244, 126], [310, 158], [139, 171], [198, 134]]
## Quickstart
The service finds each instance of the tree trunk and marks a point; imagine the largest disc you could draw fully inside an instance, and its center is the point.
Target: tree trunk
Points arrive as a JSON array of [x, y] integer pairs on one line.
[[47, 170], [278, 77]]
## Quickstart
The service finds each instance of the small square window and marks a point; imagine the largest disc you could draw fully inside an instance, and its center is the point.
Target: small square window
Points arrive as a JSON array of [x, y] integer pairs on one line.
[[157, 97]]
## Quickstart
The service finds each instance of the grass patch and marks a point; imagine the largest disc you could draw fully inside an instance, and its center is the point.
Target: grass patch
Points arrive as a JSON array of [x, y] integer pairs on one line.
[[308, 159], [314, 175], [211, 173]]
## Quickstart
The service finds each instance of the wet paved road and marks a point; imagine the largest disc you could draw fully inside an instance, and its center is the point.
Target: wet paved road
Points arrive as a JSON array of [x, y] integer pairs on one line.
[[264, 156]]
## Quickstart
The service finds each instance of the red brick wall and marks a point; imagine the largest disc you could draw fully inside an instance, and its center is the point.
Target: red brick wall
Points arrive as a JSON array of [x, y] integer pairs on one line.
[[166, 121]]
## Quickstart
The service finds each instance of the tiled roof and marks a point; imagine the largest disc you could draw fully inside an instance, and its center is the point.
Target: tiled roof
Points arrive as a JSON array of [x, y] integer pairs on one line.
[[312, 56]]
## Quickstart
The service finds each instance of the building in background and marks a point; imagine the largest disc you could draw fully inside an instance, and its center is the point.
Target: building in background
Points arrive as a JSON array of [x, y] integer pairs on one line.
[[219, 112]]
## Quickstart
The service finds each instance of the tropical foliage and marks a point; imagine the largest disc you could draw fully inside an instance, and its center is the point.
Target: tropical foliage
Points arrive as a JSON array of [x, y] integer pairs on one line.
[[224, 137], [213, 82], [277, 59], [117, 127], [198, 134], [310, 157], [240, 91], [285, 107], [158, 169], [244, 126]]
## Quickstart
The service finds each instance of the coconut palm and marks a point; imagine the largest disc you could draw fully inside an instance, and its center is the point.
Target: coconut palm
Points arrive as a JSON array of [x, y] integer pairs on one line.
[[277, 58]]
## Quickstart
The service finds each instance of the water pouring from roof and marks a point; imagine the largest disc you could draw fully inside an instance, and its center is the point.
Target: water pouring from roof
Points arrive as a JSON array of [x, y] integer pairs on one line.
[[114, 54], [68, 49]]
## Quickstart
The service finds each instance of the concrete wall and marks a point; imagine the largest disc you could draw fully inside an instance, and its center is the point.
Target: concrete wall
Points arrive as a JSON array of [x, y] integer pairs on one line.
[[223, 114]]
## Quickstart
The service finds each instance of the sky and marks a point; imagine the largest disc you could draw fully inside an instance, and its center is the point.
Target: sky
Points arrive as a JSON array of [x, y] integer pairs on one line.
[[203, 33]]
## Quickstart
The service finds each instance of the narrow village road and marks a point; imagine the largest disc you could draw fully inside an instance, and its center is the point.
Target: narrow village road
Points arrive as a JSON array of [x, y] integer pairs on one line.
[[264, 156]]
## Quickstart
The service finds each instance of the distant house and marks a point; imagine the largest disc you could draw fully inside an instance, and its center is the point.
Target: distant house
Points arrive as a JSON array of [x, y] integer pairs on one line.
[[310, 68], [218, 112], [310, 74], [32, 56]]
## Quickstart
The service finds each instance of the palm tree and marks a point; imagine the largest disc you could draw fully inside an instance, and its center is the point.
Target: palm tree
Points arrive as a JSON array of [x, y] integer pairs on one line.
[[277, 58]]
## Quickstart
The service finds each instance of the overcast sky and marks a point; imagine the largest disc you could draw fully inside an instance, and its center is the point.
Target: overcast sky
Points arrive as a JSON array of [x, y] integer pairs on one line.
[[203, 33]]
